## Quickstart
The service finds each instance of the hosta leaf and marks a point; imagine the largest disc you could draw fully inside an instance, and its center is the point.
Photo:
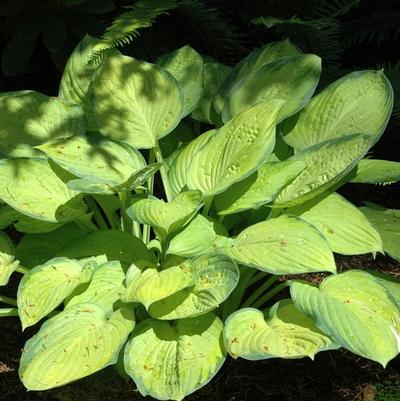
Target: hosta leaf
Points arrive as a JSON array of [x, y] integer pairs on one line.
[[78, 74], [258, 58], [216, 275], [390, 283], [235, 150], [46, 286], [285, 333], [36, 249], [166, 217], [387, 223], [33, 188], [361, 101], [135, 102], [214, 76], [324, 166], [30, 118], [260, 188], [283, 245], [77, 342], [115, 244], [356, 311], [369, 171], [175, 360], [197, 238], [345, 228], [95, 158], [104, 288], [290, 79], [8, 264], [178, 172], [151, 285], [140, 177], [186, 65]]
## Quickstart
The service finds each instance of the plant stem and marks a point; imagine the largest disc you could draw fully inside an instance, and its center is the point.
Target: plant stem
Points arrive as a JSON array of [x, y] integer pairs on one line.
[[96, 213], [266, 297], [127, 224], [164, 174], [8, 300], [259, 291], [257, 277], [150, 188], [207, 205], [6, 312], [22, 269]]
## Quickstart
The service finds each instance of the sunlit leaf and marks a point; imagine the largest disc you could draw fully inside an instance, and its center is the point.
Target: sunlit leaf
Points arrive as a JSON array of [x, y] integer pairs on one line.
[[8, 264], [369, 171]]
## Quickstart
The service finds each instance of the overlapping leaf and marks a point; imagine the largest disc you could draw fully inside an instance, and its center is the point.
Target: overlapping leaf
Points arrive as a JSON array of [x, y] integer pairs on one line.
[[283, 245], [284, 333], [369, 171], [8, 264], [174, 361], [77, 342], [356, 311]]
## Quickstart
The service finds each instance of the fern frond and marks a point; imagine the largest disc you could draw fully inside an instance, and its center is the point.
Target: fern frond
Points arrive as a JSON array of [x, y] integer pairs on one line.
[[373, 29], [334, 8], [125, 27], [319, 23]]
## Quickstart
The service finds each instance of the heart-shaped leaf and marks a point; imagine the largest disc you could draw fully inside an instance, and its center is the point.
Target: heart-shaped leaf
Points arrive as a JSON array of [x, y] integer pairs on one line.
[[188, 355], [356, 311], [283, 245], [134, 101], [77, 342], [286, 333]]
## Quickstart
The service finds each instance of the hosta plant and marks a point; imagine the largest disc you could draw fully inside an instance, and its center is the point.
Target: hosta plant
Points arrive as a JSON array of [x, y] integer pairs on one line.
[[160, 206]]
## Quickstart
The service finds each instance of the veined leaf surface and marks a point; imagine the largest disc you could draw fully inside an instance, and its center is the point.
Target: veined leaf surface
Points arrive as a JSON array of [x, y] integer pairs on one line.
[[174, 360], [46, 286], [290, 79], [186, 66], [361, 101], [356, 311], [8, 264], [30, 118], [284, 333], [77, 342], [346, 229], [33, 188], [369, 171], [235, 150], [135, 102], [283, 245]]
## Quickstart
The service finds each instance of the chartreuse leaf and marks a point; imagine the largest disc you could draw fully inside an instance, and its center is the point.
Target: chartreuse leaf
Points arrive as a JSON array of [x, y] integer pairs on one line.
[[213, 77], [369, 171], [115, 244], [174, 359], [151, 285], [8, 264], [361, 101], [283, 245], [235, 150], [30, 118], [291, 79], [77, 342], [139, 178], [46, 286], [258, 58], [324, 165], [178, 172], [260, 188], [78, 74], [104, 288], [356, 311], [387, 223], [390, 283], [95, 158], [285, 333], [33, 188], [36, 249], [346, 229], [134, 101], [186, 65], [193, 288], [197, 237], [166, 217]]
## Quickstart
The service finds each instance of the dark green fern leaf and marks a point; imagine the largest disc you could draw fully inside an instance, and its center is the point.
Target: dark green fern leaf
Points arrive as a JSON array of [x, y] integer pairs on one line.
[[334, 8], [125, 28]]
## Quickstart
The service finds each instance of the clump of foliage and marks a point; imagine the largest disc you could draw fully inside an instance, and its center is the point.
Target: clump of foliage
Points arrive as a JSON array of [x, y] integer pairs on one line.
[[157, 247]]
